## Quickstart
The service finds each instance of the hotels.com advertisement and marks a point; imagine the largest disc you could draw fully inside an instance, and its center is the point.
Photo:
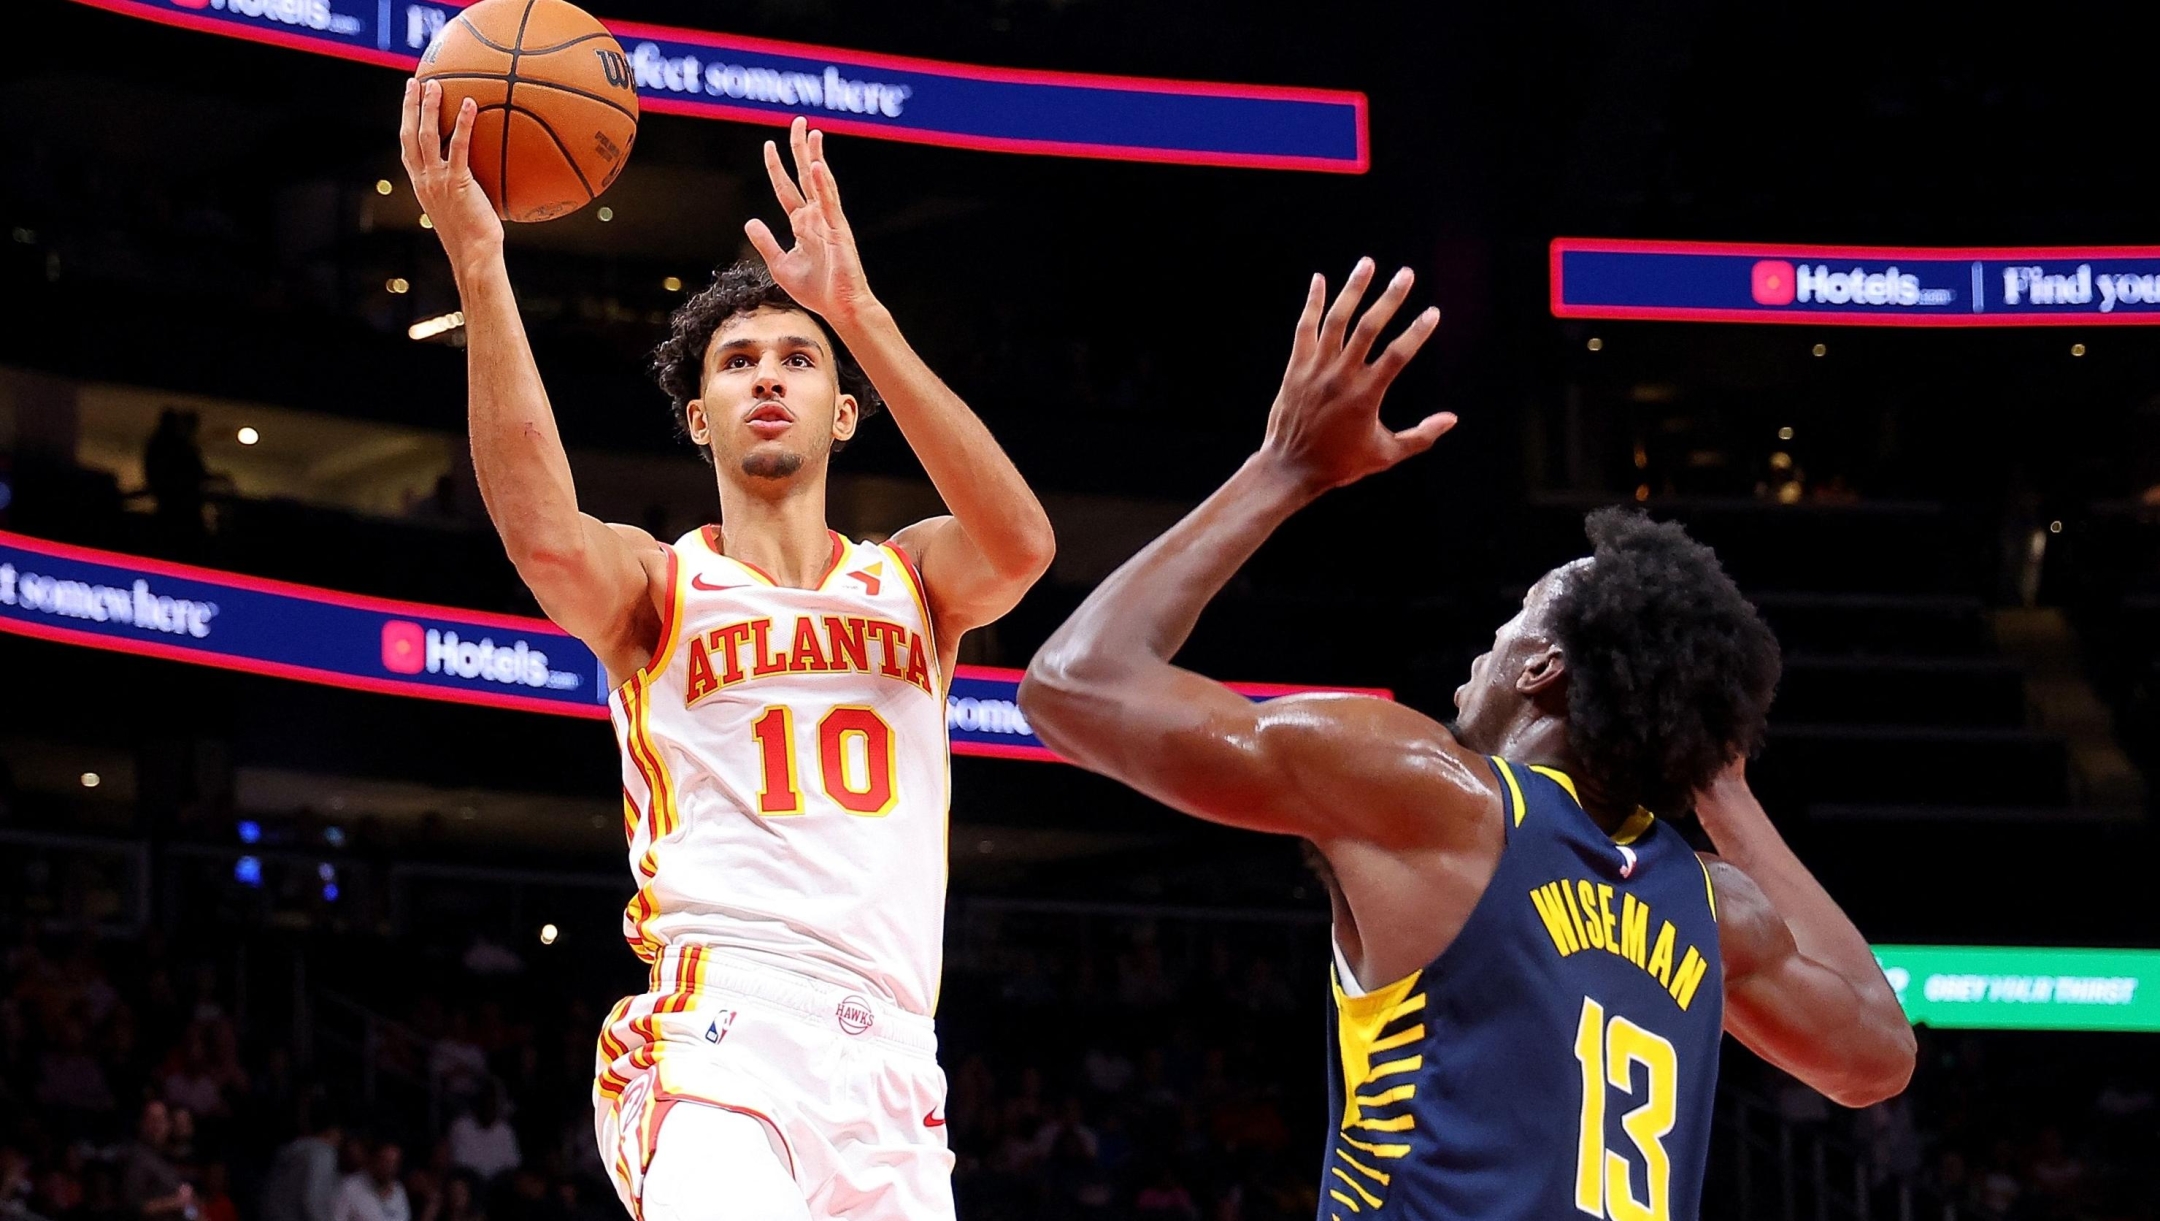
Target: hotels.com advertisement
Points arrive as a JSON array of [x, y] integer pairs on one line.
[[200, 616], [1855, 286]]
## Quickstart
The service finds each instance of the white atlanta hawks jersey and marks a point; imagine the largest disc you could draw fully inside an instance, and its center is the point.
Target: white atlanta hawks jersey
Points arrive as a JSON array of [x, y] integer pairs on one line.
[[786, 773]]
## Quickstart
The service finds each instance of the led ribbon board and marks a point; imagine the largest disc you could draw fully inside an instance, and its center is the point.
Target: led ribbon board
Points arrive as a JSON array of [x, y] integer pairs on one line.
[[1856, 285], [177, 612], [2014, 988], [721, 76]]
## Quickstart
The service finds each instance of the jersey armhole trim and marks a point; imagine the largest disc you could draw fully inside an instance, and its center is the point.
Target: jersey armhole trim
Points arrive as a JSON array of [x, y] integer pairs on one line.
[[922, 604], [1517, 807], [1709, 889], [671, 617]]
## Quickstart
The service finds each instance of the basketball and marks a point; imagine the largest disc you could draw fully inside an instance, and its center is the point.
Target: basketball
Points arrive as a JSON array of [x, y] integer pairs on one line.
[[557, 110]]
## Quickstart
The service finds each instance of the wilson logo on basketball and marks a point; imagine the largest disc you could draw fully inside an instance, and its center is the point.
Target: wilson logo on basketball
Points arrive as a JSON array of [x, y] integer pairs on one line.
[[854, 1015], [615, 67]]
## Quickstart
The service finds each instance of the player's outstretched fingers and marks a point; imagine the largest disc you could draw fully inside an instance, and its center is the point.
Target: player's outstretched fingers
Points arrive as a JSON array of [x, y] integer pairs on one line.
[[828, 195], [1420, 436], [798, 134], [1307, 336], [1406, 345], [409, 128], [431, 144], [761, 237], [1370, 324], [783, 186], [1338, 315], [468, 116]]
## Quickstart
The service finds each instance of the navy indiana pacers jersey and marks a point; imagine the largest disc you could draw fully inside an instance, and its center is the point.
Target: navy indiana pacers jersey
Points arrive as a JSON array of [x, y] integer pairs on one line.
[[1559, 1058]]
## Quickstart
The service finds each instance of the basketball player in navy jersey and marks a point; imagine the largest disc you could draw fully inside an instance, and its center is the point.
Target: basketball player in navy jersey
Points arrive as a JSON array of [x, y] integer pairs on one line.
[[1533, 968]]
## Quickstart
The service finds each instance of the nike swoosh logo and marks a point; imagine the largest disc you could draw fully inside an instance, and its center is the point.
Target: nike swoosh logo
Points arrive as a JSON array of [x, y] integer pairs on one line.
[[697, 581], [931, 1119]]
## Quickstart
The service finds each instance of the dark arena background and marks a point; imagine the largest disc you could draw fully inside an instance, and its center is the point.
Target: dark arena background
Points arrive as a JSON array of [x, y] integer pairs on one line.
[[260, 885]]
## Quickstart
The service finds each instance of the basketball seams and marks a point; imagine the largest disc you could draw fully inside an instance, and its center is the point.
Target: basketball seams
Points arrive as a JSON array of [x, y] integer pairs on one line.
[[573, 90], [560, 147], [481, 38], [509, 95], [564, 46]]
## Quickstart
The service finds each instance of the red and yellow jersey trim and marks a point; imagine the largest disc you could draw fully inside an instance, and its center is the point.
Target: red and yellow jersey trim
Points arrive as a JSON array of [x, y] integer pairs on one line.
[[921, 595], [716, 542]]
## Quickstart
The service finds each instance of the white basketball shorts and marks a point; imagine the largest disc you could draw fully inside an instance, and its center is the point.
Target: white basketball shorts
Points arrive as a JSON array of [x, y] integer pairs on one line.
[[848, 1089]]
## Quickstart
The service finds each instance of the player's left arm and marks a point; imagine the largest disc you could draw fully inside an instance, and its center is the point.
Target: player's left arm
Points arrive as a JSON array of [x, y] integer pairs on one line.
[[1802, 988], [977, 563]]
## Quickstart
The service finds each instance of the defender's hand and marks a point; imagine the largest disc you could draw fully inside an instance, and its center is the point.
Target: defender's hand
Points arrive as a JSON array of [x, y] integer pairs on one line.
[[1325, 426], [463, 217], [822, 270]]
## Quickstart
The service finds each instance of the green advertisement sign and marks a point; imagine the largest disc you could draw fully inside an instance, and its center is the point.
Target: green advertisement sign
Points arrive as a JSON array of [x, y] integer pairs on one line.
[[1982, 987]]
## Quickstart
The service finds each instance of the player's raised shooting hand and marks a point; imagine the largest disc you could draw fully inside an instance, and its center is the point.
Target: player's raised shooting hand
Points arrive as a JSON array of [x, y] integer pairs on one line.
[[822, 270], [1325, 426], [442, 178]]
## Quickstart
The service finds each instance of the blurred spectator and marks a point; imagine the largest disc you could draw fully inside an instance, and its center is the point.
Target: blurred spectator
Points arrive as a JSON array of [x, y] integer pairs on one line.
[[150, 1185], [302, 1182], [482, 1141], [174, 471], [188, 1080], [374, 1192], [457, 1064], [215, 1198], [69, 1077]]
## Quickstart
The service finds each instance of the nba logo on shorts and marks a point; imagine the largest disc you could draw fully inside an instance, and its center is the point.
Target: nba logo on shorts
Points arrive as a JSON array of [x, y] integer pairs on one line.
[[1773, 282], [404, 647]]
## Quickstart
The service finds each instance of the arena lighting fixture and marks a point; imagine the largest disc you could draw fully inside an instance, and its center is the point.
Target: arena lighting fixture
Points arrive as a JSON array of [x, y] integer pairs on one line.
[[247, 436], [1821, 349], [397, 286], [429, 328], [91, 780], [548, 933], [2077, 349], [426, 221], [250, 831], [2054, 527], [383, 186], [1595, 344], [673, 284], [1785, 433], [605, 214], [248, 871]]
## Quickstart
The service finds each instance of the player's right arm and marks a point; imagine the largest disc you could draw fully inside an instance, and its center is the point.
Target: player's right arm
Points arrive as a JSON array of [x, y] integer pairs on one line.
[[1103, 692], [592, 579], [1802, 988]]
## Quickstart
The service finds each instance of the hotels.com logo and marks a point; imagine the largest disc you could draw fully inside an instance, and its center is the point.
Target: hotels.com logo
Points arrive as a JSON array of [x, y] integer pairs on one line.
[[308, 14], [404, 647], [1777, 282], [1773, 282], [408, 648]]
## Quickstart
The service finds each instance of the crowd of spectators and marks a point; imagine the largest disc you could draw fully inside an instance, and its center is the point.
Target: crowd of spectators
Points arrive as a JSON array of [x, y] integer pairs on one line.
[[1099, 1069]]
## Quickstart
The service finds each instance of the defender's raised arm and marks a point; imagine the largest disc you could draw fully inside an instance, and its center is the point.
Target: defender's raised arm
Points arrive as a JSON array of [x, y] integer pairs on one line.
[[590, 578], [1104, 693]]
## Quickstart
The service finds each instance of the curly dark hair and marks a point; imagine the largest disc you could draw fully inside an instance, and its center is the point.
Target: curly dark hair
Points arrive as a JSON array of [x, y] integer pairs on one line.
[[744, 288], [1670, 670]]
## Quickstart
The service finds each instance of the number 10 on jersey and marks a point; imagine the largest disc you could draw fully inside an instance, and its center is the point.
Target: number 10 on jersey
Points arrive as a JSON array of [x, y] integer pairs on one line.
[[855, 761]]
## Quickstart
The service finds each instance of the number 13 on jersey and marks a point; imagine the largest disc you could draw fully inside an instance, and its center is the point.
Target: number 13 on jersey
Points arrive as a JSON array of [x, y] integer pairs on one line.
[[1608, 1053], [854, 761]]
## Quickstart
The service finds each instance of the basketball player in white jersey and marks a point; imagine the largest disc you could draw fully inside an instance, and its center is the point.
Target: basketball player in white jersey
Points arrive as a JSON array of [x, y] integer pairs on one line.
[[781, 710]]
